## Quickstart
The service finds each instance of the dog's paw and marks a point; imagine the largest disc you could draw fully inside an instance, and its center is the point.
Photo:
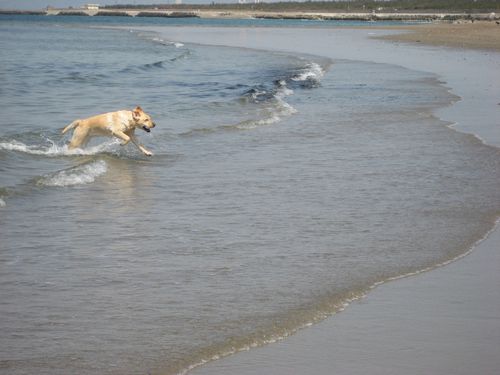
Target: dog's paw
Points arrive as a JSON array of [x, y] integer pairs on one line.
[[148, 153]]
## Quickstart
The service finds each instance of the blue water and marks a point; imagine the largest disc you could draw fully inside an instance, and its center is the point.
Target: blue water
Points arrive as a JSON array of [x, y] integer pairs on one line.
[[280, 187], [159, 21]]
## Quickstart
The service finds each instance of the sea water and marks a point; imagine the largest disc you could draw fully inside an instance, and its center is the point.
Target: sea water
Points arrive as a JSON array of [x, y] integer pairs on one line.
[[281, 187]]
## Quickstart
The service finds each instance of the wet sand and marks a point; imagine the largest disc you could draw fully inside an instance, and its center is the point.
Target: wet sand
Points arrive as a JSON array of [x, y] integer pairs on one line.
[[445, 321], [477, 35]]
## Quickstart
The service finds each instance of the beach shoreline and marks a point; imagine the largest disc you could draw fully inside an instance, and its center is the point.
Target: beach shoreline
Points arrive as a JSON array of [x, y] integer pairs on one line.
[[422, 323], [476, 113], [472, 35]]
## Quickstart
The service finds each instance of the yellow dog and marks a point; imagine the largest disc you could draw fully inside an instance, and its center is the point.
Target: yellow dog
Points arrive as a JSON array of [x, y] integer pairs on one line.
[[121, 124]]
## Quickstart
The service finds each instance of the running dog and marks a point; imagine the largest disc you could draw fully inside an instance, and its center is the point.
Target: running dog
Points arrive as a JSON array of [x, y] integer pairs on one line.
[[121, 124]]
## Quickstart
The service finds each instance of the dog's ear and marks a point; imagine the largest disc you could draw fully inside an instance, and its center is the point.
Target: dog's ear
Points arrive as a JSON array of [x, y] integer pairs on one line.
[[136, 113]]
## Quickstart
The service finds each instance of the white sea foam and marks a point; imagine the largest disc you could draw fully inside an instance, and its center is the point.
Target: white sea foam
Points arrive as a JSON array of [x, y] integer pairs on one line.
[[284, 108], [313, 71], [162, 41], [54, 149], [167, 42], [283, 90], [80, 175], [2, 203], [277, 110]]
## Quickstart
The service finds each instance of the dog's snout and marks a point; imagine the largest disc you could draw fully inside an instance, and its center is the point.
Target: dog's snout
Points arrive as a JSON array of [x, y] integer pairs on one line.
[[154, 124]]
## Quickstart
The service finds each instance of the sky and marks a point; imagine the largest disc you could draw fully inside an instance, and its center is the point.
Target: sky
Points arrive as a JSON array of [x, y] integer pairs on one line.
[[40, 4]]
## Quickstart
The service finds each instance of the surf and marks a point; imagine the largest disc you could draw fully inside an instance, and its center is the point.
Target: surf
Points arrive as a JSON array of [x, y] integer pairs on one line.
[[83, 174], [55, 149]]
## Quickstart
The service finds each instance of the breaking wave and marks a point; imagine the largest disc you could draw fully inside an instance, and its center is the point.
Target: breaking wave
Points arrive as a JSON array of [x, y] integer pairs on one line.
[[52, 149], [167, 42], [79, 175], [270, 98], [310, 76]]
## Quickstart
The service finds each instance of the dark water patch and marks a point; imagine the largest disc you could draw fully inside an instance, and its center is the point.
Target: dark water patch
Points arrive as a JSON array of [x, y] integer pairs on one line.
[[185, 54], [155, 65], [85, 78]]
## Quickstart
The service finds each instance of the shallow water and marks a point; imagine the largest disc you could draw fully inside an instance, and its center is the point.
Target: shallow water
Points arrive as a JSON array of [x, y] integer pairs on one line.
[[281, 186]]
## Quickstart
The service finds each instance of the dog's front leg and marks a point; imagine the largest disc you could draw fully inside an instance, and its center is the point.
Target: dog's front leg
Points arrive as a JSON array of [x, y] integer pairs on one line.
[[139, 146], [121, 135]]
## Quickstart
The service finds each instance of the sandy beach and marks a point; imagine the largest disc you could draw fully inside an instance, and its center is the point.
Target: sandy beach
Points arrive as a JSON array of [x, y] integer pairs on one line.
[[477, 35], [444, 321]]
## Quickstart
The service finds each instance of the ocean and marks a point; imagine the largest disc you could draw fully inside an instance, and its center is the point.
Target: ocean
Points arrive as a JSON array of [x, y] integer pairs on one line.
[[282, 187]]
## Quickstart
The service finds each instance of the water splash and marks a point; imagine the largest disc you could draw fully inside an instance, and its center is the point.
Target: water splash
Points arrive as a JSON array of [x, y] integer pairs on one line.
[[52, 149], [79, 175]]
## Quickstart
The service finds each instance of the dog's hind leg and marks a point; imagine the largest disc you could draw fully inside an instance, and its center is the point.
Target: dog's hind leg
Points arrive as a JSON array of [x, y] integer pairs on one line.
[[79, 138], [71, 126]]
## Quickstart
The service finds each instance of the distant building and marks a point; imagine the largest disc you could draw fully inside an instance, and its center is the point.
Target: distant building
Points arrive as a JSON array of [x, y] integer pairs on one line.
[[91, 6]]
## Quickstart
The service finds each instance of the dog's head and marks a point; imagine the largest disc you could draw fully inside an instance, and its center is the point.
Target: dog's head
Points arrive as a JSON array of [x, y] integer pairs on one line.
[[142, 119]]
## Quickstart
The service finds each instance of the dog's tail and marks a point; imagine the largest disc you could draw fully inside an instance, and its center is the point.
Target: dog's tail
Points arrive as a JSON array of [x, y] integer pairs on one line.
[[73, 125]]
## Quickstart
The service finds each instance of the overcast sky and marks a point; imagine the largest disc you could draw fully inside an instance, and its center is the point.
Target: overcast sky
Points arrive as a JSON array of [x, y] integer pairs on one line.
[[40, 4]]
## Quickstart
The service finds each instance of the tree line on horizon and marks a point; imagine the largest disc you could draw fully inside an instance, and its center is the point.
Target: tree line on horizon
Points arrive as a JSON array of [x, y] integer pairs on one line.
[[336, 6]]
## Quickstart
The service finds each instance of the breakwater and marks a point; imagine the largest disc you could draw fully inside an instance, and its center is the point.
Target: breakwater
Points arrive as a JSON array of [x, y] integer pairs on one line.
[[241, 14]]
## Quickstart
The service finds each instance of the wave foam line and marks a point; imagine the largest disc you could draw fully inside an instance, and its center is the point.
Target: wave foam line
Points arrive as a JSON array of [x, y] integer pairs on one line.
[[274, 111], [313, 72], [55, 150], [80, 175], [167, 42], [332, 309], [277, 110], [271, 338]]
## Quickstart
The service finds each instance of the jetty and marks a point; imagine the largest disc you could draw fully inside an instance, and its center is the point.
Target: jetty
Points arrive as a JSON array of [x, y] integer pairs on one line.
[[259, 14]]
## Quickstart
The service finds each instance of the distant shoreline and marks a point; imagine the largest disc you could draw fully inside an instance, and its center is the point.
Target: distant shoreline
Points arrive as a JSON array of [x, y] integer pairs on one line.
[[247, 13], [477, 35], [462, 30]]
